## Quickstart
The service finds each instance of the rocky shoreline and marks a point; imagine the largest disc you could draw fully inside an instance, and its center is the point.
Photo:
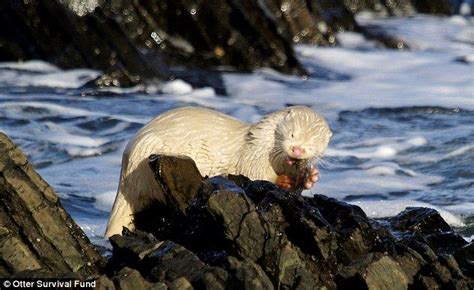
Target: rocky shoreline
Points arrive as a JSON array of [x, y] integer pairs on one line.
[[227, 233]]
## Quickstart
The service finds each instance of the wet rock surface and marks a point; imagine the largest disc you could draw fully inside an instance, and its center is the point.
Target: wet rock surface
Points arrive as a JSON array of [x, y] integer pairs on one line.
[[37, 237], [241, 234], [135, 41]]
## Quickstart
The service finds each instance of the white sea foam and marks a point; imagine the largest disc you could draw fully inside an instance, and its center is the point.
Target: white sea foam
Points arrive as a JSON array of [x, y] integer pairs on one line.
[[121, 126], [364, 182], [95, 231], [59, 134], [382, 152], [427, 158], [465, 35], [119, 90], [423, 75], [370, 142], [104, 201], [31, 65], [387, 208], [352, 40], [94, 176], [465, 8], [376, 167], [20, 109], [177, 87], [248, 114], [468, 58], [16, 110], [460, 151], [381, 170], [386, 148], [70, 139], [205, 97], [417, 141], [71, 79], [466, 208], [426, 32], [83, 152]]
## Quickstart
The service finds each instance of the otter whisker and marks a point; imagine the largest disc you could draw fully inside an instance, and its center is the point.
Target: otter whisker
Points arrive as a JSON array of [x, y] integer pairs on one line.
[[323, 164]]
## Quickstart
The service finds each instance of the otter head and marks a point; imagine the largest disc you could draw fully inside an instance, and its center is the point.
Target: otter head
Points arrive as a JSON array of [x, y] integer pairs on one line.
[[302, 134]]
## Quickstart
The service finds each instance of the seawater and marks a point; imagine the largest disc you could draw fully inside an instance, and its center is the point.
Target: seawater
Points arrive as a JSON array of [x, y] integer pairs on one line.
[[403, 120]]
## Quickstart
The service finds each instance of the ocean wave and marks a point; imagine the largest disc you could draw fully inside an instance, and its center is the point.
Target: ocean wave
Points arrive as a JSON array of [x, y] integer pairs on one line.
[[70, 79]]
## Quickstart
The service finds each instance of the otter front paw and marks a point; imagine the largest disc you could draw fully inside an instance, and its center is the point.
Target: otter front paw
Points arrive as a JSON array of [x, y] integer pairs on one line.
[[285, 182], [313, 177], [307, 182]]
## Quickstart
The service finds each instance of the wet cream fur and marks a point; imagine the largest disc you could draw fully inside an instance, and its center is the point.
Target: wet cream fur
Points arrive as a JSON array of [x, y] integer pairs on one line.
[[219, 144]]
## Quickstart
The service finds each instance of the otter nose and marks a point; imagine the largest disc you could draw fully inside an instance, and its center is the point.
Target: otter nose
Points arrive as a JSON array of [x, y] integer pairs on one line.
[[297, 151]]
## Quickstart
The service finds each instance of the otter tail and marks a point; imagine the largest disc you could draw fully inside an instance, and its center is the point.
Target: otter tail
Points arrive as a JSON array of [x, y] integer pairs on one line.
[[121, 216]]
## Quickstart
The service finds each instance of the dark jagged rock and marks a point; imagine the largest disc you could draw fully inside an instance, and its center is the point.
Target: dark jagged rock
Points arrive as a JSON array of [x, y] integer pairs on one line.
[[130, 279], [199, 78], [49, 30], [207, 33], [465, 258], [382, 38], [425, 231], [163, 261], [444, 7], [374, 272], [103, 282], [132, 41], [427, 224], [419, 220], [392, 7], [313, 22], [240, 234], [180, 184], [37, 236], [249, 274]]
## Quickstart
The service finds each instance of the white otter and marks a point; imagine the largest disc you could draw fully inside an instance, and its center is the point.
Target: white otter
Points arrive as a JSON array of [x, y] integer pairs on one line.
[[219, 144]]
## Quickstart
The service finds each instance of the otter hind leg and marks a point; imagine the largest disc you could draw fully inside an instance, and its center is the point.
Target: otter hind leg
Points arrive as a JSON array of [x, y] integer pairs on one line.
[[121, 216]]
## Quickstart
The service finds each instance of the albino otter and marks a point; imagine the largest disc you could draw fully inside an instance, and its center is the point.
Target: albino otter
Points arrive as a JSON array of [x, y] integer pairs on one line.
[[272, 149]]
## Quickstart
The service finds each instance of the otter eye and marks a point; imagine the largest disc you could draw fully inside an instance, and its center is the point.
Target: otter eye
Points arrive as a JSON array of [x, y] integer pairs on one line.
[[292, 135]]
